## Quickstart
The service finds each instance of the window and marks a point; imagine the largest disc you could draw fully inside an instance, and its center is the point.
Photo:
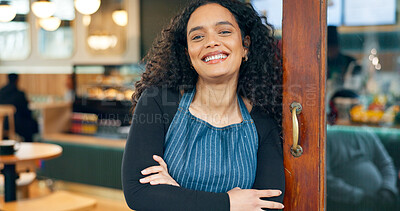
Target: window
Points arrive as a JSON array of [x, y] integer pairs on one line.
[[56, 35], [14, 35]]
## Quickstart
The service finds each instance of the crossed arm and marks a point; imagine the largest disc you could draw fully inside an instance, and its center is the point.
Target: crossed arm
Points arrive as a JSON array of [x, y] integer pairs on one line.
[[146, 138]]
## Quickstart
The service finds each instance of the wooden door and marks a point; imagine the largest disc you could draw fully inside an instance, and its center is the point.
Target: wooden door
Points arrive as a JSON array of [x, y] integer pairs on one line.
[[304, 63]]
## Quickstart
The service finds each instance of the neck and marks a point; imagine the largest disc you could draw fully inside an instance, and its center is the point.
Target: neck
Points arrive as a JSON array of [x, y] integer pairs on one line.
[[219, 98], [12, 84]]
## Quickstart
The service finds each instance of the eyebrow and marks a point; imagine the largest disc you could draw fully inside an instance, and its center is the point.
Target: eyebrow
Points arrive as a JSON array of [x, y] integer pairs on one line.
[[217, 24]]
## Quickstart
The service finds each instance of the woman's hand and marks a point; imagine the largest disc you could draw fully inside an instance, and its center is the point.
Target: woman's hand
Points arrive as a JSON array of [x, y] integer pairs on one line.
[[250, 199], [159, 173]]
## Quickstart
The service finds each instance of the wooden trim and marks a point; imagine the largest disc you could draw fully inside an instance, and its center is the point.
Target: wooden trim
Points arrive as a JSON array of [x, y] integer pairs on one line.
[[40, 84], [87, 140]]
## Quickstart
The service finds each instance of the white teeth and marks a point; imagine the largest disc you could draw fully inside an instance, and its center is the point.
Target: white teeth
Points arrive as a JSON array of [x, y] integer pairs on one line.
[[219, 56]]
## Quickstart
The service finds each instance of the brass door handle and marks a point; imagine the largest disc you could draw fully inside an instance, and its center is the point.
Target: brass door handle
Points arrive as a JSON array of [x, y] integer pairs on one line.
[[296, 150]]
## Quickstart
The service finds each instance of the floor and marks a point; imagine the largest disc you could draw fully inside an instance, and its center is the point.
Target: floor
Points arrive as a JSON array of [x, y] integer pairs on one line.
[[107, 199]]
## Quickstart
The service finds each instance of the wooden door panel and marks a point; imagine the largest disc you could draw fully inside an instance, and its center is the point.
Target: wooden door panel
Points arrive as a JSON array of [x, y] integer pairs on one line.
[[304, 64]]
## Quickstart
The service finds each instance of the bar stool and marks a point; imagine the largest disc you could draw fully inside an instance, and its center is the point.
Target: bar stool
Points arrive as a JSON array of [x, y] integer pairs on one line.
[[23, 182], [25, 177], [7, 111]]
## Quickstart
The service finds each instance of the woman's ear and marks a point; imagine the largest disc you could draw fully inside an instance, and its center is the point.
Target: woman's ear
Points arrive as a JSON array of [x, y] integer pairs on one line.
[[246, 44]]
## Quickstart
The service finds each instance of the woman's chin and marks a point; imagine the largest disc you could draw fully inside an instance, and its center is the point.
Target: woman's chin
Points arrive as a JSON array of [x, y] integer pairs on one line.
[[219, 77]]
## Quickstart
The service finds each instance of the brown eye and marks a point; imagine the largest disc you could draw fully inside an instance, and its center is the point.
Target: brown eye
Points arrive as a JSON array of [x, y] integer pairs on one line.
[[197, 37], [225, 32]]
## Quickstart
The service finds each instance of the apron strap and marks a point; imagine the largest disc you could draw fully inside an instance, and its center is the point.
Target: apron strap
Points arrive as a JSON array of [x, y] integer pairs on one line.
[[245, 113]]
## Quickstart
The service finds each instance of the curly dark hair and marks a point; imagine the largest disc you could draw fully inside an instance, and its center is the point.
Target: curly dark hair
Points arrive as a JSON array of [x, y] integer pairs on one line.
[[260, 77]]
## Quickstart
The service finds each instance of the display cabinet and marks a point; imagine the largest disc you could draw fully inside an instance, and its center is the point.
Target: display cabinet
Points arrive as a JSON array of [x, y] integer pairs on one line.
[[104, 91]]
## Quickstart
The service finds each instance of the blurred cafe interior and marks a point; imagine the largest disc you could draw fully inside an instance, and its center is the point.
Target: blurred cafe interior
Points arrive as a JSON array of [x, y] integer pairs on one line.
[[76, 61]]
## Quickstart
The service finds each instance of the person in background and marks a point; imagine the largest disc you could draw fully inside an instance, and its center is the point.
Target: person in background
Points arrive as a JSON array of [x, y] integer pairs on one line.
[[25, 125], [339, 64], [333, 114], [360, 174], [343, 70], [205, 132]]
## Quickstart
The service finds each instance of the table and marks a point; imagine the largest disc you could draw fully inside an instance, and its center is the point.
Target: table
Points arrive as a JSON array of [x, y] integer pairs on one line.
[[26, 152]]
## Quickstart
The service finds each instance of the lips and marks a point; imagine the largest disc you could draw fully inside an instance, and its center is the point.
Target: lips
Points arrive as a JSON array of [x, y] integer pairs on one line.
[[215, 57]]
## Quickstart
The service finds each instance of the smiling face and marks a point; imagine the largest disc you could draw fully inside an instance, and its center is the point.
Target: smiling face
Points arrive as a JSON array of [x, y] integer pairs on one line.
[[215, 43]]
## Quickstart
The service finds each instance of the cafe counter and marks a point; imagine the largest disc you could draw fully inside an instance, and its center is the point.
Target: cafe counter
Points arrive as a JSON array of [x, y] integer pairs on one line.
[[88, 160]]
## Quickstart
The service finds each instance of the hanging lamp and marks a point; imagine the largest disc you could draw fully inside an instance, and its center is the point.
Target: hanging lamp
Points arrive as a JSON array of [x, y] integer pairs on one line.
[[50, 23], [7, 12], [120, 17], [87, 7], [43, 8]]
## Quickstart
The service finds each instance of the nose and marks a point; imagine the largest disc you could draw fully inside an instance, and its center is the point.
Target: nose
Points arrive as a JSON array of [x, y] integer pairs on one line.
[[212, 41]]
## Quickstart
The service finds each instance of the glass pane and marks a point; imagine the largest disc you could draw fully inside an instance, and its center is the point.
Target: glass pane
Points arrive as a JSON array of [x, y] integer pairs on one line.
[[335, 11], [106, 29], [22, 6], [369, 12], [15, 43], [272, 9], [64, 9], [105, 92], [363, 104], [58, 42]]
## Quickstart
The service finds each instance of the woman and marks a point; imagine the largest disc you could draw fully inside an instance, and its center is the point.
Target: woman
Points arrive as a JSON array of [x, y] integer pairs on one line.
[[205, 131]]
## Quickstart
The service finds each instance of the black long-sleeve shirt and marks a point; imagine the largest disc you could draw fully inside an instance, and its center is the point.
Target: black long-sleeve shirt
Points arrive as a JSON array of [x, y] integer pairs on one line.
[[153, 114], [25, 125]]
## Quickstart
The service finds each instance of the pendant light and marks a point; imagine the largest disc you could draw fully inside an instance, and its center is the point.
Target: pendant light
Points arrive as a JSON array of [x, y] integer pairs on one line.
[[87, 7], [102, 41], [50, 23], [120, 17], [7, 12], [43, 8]]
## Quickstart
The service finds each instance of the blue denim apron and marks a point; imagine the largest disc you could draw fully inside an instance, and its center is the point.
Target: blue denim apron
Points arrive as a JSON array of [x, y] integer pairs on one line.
[[207, 158]]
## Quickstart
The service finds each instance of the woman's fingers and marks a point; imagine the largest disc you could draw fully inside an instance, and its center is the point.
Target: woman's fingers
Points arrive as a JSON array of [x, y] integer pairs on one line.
[[268, 193], [157, 182], [156, 175], [152, 170], [271, 205], [164, 181], [251, 199], [160, 161], [157, 179], [156, 169], [150, 178]]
